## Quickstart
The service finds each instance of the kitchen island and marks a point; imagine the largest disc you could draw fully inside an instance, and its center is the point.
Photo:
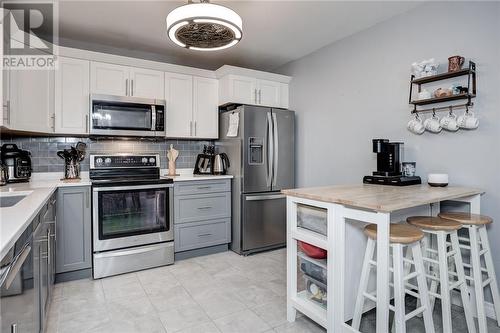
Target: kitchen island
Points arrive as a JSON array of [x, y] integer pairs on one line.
[[335, 207]]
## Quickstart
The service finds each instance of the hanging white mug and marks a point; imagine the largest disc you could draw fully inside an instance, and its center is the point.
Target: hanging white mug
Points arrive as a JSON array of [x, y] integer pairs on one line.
[[449, 122], [432, 124], [468, 120], [416, 125]]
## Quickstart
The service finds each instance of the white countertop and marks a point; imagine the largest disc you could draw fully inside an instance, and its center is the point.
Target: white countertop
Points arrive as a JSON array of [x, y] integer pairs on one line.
[[15, 219]]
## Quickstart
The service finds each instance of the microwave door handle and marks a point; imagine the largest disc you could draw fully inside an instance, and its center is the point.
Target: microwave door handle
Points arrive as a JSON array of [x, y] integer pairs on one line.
[[153, 117]]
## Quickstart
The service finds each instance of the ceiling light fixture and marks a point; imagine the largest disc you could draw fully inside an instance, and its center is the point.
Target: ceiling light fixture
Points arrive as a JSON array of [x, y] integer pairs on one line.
[[204, 26]]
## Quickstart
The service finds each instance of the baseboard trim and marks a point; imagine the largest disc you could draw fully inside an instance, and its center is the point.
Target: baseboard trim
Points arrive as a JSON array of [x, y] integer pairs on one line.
[[489, 309], [201, 252], [74, 275]]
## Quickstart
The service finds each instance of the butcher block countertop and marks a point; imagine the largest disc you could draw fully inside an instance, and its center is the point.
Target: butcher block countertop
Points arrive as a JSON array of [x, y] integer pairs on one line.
[[382, 198]]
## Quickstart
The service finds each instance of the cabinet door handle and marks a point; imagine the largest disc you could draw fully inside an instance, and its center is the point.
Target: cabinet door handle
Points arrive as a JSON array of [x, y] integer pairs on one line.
[[126, 87], [48, 247], [205, 207], [255, 95], [204, 187], [87, 197], [132, 87], [260, 96], [6, 107], [195, 129], [204, 235], [86, 123], [53, 117], [191, 128]]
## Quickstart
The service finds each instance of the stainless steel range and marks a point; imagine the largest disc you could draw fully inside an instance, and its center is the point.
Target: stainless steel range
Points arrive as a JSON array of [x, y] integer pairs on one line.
[[132, 214]]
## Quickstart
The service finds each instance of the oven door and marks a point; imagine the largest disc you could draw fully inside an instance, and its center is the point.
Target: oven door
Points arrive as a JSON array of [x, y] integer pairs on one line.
[[125, 216], [126, 116]]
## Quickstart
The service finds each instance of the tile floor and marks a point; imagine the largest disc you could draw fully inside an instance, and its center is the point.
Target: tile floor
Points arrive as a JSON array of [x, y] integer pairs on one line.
[[220, 293]]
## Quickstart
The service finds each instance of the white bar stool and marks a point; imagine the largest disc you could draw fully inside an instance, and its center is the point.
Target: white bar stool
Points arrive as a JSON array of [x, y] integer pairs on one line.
[[436, 227], [400, 236], [477, 243]]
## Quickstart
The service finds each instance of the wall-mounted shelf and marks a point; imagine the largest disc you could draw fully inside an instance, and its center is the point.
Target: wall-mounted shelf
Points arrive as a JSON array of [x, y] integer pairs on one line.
[[470, 72], [442, 99], [444, 76]]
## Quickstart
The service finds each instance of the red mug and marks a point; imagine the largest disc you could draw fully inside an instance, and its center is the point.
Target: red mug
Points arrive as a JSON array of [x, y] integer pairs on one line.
[[455, 63]]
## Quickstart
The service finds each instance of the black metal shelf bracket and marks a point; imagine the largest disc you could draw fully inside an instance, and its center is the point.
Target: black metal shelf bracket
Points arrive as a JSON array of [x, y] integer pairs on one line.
[[471, 90]]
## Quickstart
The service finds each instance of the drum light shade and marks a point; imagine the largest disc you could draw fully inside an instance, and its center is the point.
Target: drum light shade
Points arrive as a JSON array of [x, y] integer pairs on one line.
[[204, 26]]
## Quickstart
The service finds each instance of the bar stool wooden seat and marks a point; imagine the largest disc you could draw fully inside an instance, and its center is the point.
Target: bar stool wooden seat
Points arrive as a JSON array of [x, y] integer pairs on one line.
[[437, 261], [476, 241], [467, 218], [400, 236]]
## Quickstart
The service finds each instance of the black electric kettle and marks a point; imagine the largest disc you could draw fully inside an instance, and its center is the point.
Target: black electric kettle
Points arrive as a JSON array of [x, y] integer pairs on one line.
[[221, 164]]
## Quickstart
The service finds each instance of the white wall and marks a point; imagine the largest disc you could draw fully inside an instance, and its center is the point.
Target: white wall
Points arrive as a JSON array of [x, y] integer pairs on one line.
[[356, 89]]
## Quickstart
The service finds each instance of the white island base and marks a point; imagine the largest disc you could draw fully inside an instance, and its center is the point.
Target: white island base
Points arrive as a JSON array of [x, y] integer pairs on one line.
[[344, 204]]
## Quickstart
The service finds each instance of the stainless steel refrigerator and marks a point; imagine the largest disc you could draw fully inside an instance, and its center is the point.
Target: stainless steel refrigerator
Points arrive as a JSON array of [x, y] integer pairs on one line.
[[263, 163]]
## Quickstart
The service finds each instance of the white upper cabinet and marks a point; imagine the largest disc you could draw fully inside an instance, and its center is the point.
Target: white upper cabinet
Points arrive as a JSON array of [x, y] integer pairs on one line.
[[146, 83], [269, 93], [72, 89], [179, 98], [192, 110], [118, 80], [205, 108], [284, 95], [4, 85], [32, 100], [109, 79], [246, 86], [238, 89]]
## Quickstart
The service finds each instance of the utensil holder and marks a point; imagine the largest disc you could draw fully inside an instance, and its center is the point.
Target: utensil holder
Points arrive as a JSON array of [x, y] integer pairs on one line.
[[72, 170]]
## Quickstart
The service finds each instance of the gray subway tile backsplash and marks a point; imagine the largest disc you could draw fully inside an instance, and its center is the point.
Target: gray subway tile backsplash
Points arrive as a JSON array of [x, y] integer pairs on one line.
[[44, 159]]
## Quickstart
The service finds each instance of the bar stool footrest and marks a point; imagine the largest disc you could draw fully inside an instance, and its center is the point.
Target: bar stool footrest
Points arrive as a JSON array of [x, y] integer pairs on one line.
[[414, 313], [371, 296]]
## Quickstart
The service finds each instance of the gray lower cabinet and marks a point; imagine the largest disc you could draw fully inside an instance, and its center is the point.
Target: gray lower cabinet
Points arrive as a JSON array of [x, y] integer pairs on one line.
[[202, 214], [73, 242]]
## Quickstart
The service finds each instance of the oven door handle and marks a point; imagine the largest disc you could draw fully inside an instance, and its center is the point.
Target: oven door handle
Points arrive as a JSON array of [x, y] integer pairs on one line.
[[128, 187]]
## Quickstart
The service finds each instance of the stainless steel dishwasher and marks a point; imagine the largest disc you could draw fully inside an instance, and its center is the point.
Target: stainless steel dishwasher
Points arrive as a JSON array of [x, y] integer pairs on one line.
[[19, 305]]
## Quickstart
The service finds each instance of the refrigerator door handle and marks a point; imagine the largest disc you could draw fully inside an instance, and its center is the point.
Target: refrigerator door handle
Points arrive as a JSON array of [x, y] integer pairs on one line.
[[275, 150], [270, 150], [265, 197]]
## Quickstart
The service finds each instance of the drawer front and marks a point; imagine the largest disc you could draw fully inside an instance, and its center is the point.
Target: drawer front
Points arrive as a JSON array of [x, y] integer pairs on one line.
[[202, 186], [202, 234], [193, 208]]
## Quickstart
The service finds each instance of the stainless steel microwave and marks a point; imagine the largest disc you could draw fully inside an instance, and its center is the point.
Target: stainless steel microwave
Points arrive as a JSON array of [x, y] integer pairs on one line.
[[126, 116]]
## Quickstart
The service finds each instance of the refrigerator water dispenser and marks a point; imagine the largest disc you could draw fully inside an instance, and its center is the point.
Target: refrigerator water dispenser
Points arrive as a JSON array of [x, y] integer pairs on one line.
[[255, 151]]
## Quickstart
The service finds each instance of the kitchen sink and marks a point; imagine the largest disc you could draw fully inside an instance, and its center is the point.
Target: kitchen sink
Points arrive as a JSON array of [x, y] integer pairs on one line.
[[11, 199]]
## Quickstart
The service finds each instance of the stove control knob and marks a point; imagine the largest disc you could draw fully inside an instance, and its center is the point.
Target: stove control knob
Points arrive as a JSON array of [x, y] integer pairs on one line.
[[107, 160], [98, 160], [152, 160], [144, 160]]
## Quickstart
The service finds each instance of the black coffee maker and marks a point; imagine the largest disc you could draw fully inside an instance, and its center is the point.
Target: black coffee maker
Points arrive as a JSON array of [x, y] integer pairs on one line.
[[388, 172], [205, 161]]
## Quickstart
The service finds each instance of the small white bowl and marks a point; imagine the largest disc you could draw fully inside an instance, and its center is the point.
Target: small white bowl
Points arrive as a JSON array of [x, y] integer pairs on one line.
[[437, 179]]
